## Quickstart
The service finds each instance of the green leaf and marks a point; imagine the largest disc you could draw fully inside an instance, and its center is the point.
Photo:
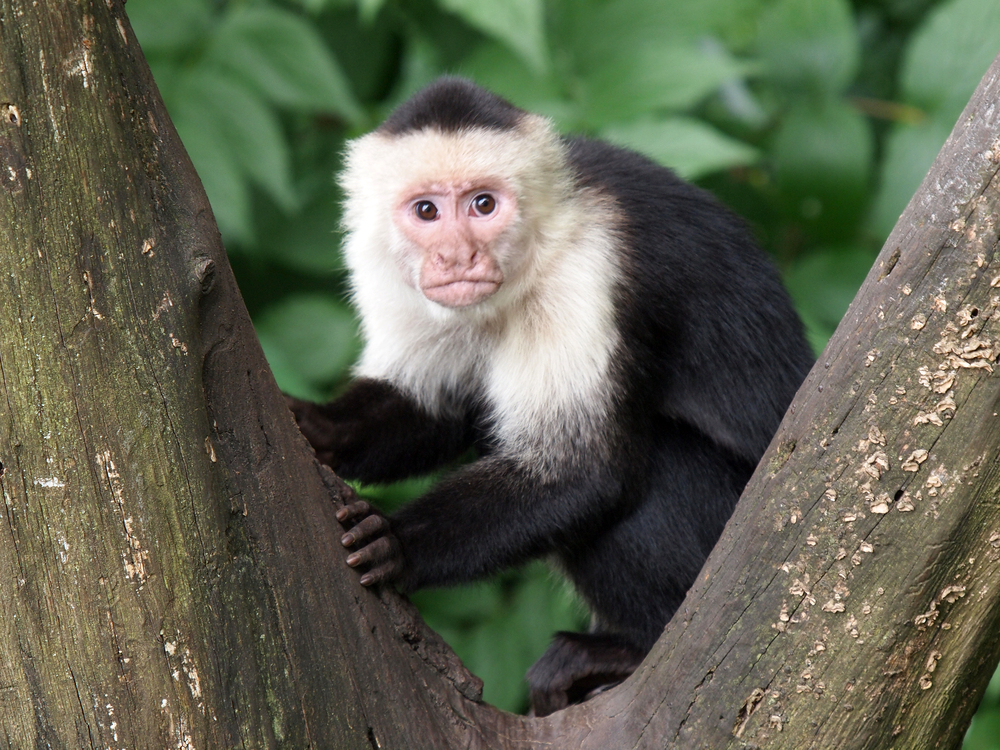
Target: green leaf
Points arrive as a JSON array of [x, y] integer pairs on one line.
[[830, 143], [984, 731], [310, 335], [491, 659], [823, 283], [822, 157], [494, 66], [288, 378], [992, 695], [949, 54], [252, 133], [909, 152], [499, 628], [315, 6], [519, 24], [368, 51], [942, 65], [463, 606], [544, 603], [221, 175], [810, 44], [369, 9], [389, 497], [598, 31], [419, 66], [688, 146], [672, 75], [310, 243], [285, 58], [168, 26]]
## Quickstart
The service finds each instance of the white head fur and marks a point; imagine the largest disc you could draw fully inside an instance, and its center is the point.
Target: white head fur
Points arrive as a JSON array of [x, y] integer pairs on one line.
[[540, 347]]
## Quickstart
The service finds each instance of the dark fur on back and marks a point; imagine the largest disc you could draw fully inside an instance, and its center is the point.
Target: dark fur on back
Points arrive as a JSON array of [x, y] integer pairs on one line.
[[719, 333], [452, 104], [715, 352]]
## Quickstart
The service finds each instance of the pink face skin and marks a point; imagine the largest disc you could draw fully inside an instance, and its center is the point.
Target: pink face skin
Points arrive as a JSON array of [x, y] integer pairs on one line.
[[454, 229]]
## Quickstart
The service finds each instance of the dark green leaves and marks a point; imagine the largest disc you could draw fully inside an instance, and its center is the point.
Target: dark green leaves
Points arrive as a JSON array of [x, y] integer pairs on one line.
[[822, 154], [226, 79], [823, 283], [627, 69], [941, 67], [517, 23], [172, 26], [660, 77], [309, 342], [236, 140], [809, 44], [500, 628], [285, 59], [690, 147]]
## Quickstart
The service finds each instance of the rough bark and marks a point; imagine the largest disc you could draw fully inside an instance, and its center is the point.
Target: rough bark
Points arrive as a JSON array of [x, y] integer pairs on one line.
[[166, 572], [169, 575]]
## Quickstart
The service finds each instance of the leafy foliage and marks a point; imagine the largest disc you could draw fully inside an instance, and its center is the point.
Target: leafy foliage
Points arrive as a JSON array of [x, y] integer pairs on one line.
[[815, 119], [943, 62]]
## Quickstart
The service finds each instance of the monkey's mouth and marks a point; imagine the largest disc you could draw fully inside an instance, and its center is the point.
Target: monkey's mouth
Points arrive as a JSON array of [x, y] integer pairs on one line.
[[461, 293]]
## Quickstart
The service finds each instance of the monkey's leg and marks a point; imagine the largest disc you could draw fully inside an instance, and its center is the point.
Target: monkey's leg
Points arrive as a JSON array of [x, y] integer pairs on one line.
[[575, 665]]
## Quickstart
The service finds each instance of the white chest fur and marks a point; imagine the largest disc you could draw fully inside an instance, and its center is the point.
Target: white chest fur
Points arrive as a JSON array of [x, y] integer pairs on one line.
[[537, 353], [541, 361]]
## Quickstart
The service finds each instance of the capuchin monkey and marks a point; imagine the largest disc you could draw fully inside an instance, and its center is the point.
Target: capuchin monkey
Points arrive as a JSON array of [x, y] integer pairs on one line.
[[607, 338]]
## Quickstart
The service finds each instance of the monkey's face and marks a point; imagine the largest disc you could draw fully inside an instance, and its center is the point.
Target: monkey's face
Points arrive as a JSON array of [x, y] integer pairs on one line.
[[457, 217], [455, 233]]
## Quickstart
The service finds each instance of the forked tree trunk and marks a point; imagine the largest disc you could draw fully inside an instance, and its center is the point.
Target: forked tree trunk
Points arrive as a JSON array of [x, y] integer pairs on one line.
[[169, 572]]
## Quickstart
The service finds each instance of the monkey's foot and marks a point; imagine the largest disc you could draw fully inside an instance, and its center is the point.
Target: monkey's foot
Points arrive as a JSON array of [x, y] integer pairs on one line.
[[578, 666]]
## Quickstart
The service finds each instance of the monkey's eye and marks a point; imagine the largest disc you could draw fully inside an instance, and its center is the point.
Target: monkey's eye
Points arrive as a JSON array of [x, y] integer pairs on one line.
[[425, 210], [484, 204]]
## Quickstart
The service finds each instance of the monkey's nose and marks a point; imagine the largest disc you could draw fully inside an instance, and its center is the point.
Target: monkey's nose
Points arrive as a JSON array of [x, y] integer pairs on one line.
[[461, 258]]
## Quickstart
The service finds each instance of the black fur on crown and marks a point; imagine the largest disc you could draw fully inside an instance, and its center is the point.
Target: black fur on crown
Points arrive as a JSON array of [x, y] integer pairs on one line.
[[451, 104]]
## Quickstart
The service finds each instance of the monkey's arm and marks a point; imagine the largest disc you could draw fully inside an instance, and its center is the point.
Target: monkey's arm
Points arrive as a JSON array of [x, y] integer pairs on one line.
[[376, 433], [486, 517], [736, 399]]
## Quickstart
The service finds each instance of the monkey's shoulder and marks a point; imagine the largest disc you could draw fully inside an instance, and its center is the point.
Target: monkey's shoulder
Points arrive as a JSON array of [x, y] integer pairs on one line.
[[683, 253], [663, 211]]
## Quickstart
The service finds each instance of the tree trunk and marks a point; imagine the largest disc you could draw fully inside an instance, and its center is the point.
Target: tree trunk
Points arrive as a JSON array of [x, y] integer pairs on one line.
[[167, 577], [170, 575]]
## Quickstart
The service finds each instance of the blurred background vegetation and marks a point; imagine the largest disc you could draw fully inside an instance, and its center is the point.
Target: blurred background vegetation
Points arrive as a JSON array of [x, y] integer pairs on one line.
[[814, 119]]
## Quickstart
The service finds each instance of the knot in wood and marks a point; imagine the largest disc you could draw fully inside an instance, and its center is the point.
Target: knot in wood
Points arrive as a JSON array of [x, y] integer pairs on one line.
[[205, 273]]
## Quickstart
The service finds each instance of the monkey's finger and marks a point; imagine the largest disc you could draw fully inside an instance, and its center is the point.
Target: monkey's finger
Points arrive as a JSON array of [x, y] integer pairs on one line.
[[383, 550], [354, 511], [367, 528], [384, 573]]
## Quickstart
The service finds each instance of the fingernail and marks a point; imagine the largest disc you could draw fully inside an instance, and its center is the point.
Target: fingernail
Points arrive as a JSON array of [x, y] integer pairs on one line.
[[347, 540], [353, 559], [367, 580]]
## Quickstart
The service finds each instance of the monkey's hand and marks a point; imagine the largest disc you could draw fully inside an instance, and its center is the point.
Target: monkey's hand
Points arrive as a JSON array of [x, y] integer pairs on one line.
[[377, 554], [324, 434]]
